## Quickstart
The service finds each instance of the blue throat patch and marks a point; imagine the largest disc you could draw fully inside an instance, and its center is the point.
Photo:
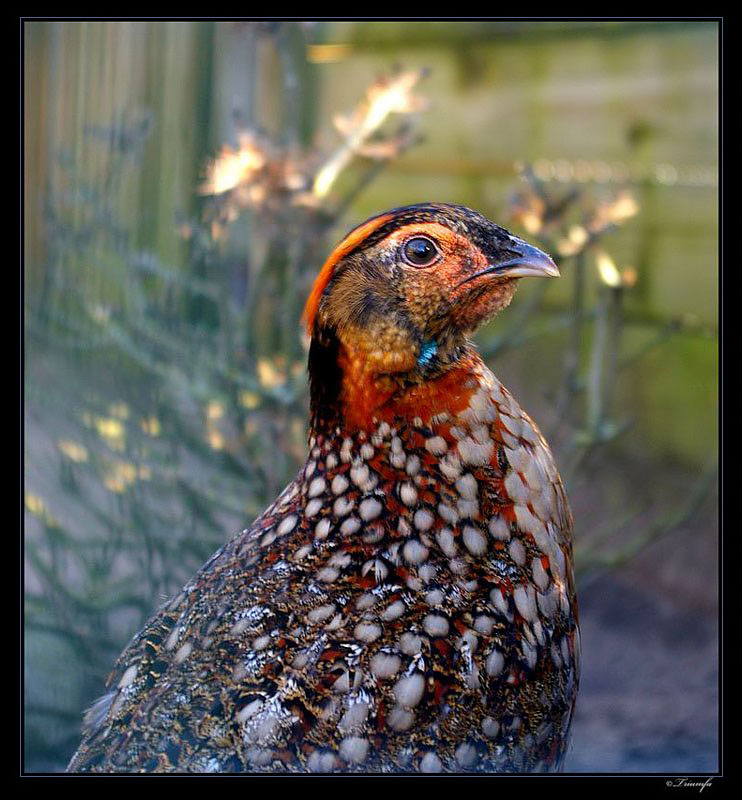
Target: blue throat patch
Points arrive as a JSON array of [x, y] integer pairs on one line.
[[427, 353]]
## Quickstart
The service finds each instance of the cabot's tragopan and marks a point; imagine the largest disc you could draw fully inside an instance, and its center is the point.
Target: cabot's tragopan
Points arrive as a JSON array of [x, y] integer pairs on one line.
[[408, 602]]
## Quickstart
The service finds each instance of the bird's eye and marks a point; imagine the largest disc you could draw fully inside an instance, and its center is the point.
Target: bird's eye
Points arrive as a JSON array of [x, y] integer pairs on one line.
[[420, 252]]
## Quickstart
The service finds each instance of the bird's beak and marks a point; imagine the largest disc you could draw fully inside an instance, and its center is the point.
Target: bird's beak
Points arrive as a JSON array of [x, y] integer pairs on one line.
[[530, 262]]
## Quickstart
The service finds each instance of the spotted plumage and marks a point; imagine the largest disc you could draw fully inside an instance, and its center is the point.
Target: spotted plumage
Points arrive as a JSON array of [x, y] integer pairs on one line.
[[407, 603]]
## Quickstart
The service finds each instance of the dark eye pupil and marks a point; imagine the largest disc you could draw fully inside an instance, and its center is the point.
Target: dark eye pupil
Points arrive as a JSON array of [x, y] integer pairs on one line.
[[420, 251]]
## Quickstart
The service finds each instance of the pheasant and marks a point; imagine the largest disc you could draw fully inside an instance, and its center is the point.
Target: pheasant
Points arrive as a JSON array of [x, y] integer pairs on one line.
[[407, 603]]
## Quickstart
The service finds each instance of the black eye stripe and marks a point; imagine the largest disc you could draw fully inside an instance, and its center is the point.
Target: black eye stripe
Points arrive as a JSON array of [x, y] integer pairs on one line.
[[420, 251]]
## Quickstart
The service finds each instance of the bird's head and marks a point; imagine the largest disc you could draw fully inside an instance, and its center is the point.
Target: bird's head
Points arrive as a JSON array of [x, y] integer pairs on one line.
[[396, 300]]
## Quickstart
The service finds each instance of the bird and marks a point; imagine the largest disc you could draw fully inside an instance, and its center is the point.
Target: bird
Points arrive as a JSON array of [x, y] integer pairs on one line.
[[407, 604]]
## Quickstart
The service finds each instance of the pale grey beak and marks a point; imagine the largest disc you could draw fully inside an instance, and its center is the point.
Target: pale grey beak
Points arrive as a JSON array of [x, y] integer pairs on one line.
[[530, 263]]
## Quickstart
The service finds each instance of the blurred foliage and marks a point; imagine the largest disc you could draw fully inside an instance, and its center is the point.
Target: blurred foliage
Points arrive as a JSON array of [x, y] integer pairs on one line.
[[180, 388]]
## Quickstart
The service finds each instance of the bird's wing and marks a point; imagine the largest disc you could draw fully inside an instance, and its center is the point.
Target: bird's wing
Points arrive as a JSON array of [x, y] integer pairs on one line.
[[147, 696]]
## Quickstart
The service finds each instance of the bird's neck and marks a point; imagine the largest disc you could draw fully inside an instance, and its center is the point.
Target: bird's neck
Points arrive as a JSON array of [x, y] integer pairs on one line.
[[354, 388]]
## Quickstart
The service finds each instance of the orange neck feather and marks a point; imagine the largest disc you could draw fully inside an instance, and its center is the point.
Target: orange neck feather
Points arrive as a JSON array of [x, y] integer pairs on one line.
[[372, 390]]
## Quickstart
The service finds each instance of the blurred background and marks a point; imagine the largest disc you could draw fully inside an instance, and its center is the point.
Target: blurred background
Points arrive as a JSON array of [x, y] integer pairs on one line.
[[183, 185]]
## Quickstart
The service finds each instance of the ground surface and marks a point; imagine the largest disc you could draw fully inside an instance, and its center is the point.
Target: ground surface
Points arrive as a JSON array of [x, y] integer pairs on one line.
[[648, 699]]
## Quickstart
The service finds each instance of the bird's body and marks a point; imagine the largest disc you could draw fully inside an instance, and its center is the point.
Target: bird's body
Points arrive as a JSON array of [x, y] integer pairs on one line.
[[407, 603]]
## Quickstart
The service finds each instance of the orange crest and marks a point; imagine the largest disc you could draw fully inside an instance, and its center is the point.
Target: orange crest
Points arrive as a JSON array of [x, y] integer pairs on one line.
[[355, 238]]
